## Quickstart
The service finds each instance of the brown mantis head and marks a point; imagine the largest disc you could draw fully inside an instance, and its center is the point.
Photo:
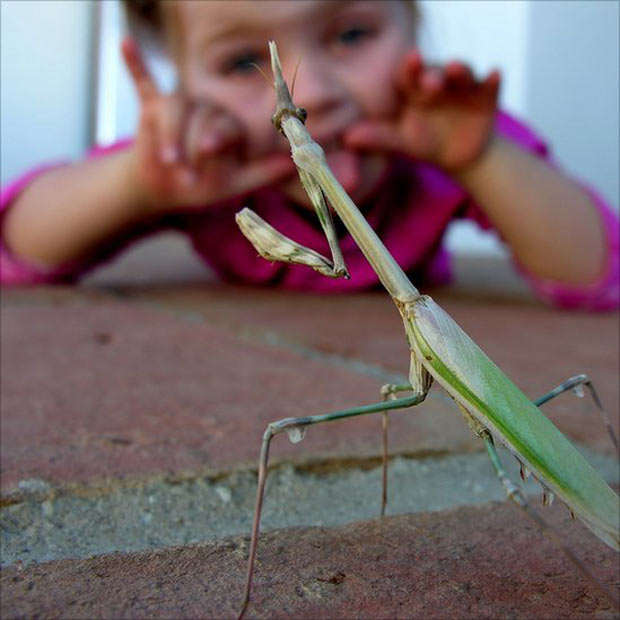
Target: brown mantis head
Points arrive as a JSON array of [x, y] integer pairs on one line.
[[285, 107]]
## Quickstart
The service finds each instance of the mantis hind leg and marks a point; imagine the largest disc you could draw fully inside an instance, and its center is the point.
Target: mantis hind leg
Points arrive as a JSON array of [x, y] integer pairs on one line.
[[388, 392], [516, 495], [576, 384], [298, 425], [420, 382]]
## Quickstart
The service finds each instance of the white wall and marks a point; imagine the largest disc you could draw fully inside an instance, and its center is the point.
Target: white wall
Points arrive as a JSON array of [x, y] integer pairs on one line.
[[45, 82], [471, 31], [559, 60], [116, 111], [572, 90]]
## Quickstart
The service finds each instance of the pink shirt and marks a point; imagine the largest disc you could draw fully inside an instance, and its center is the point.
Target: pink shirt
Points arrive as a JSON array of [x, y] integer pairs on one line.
[[410, 213]]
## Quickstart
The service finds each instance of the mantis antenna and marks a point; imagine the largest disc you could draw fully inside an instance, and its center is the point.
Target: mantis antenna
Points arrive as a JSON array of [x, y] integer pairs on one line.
[[253, 64], [295, 77]]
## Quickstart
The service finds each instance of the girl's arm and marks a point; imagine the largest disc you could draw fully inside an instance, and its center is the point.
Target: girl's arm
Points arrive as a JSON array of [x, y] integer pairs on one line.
[[66, 212], [447, 118], [182, 157], [548, 220]]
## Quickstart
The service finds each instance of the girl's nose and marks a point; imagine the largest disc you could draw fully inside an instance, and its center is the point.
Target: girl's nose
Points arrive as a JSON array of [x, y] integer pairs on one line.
[[314, 88]]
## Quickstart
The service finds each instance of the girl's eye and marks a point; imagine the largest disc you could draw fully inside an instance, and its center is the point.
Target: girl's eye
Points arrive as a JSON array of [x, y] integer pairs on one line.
[[353, 36], [243, 64]]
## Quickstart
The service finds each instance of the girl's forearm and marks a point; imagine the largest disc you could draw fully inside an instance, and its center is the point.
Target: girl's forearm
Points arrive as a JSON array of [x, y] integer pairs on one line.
[[550, 223], [67, 212]]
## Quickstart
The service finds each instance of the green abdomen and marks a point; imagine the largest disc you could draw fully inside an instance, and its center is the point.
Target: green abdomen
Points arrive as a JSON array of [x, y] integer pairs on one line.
[[464, 370]]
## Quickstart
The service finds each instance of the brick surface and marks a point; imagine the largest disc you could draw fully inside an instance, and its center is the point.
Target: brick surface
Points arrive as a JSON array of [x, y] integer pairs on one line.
[[537, 346], [95, 388], [484, 562], [117, 390], [127, 379]]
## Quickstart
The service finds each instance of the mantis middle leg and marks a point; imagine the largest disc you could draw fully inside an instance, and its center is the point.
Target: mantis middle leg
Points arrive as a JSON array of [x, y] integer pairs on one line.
[[299, 424]]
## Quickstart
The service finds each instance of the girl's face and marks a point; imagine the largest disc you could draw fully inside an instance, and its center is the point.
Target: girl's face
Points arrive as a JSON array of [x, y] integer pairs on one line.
[[347, 53]]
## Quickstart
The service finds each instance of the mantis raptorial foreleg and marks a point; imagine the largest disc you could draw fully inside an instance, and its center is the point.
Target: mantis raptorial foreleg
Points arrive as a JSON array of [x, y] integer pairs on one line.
[[274, 246], [327, 223]]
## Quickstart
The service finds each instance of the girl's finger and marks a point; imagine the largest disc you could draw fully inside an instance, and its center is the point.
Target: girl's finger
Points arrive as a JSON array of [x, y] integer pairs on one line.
[[170, 120], [210, 132], [262, 172], [225, 129], [409, 71], [145, 85], [458, 75], [374, 135], [432, 83], [148, 143], [195, 133], [491, 84], [421, 83]]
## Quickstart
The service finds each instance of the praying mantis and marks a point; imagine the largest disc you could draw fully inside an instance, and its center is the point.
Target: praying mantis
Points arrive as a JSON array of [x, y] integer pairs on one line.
[[493, 407]]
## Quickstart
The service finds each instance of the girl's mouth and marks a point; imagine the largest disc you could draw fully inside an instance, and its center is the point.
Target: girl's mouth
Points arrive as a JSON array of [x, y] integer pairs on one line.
[[346, 167], [355, 171], [344, 163]]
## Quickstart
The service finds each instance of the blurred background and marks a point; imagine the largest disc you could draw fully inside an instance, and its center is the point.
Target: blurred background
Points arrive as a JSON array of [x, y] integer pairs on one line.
[[63, 86]]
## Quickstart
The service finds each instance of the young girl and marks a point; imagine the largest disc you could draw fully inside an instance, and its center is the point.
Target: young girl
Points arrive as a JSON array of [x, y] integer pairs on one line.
[[414, 145]]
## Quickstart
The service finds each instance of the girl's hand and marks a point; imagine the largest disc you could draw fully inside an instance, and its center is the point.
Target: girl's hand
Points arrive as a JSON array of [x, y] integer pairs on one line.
[[190, 153], [446, 115]]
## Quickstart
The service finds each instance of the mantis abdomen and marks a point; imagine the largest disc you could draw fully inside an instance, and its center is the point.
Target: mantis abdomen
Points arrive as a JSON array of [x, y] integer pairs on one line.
[[473, 380]]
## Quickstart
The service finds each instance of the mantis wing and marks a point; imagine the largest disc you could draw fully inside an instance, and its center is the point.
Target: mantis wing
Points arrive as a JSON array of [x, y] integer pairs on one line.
[[473, 380]]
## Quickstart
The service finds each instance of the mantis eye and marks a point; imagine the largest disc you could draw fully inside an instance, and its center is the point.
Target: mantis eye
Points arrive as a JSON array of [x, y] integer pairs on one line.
[[301, 114]]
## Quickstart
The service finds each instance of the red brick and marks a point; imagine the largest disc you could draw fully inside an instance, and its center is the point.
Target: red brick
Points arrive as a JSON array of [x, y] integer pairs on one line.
[[116, 390], [537, 346], [484, 562]]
